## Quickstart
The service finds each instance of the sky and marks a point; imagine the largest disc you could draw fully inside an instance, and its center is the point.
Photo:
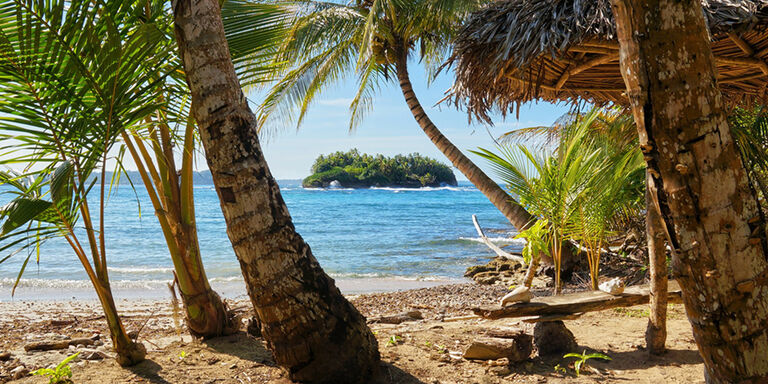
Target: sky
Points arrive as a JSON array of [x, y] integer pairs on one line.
[[389, 128]]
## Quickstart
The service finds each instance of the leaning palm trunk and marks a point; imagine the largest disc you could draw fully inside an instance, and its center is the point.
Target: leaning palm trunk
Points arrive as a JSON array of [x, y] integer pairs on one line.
[[313, 331], [173, 200], [515, 213], [712, 219]]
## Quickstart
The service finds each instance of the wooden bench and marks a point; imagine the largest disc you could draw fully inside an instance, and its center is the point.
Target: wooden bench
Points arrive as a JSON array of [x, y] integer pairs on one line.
[[572, 305]]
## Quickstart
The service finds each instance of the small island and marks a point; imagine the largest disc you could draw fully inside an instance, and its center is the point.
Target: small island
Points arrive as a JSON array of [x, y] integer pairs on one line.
[[355, 170]]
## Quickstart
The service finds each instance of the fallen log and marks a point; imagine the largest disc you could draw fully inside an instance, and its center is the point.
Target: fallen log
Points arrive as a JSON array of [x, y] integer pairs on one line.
[[573, 303], [50, 345], [399, 318]]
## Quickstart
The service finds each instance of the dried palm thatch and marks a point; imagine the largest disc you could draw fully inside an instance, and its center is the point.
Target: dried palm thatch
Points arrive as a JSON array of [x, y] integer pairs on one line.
[[516, 51]]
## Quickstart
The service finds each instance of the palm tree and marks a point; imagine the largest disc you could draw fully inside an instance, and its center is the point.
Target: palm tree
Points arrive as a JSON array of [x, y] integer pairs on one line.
[[374, 40], [313, 331], [74, 75], [172, 197], [714, 223], [579, 184]]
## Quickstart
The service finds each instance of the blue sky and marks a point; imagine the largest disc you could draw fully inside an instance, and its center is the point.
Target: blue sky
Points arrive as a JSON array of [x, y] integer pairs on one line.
[[389, 129]]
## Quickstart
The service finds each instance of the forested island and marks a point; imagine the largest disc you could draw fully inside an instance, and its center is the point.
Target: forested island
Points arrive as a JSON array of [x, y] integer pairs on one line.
[[355, 170]]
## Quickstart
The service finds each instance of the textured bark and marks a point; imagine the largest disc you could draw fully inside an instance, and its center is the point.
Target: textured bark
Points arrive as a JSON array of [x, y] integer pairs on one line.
[[656, 332], [711, 217], [516, 214], [313, 331]]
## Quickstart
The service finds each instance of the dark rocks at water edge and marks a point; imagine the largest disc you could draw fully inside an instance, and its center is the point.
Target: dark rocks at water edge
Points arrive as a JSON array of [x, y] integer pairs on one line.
[[499, 270], [355, 170]]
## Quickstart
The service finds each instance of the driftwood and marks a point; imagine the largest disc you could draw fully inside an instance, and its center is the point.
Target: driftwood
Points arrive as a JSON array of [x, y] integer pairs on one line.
[[50, 345], [495, 248], [399, 318], [577, 303], [517, 348]]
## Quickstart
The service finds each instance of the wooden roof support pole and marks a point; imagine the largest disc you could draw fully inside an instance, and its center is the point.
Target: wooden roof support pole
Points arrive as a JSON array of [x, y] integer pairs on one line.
[[746, 48], [591, 49], [584, 66]]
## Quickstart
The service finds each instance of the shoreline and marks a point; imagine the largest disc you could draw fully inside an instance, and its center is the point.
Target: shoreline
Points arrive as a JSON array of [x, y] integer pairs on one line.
[[233, 290]]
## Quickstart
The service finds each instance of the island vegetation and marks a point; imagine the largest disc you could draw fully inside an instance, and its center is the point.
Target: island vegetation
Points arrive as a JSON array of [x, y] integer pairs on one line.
[[352, 169]]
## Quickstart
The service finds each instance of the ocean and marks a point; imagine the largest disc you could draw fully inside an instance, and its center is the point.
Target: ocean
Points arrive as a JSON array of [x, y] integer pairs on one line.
[[367, 239]]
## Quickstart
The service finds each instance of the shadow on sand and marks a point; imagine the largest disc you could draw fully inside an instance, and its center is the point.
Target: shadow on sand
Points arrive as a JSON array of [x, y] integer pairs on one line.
[[148, 370], [243, 346]]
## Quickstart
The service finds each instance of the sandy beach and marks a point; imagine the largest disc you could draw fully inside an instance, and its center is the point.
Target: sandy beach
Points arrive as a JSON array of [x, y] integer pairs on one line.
[[421, 351]]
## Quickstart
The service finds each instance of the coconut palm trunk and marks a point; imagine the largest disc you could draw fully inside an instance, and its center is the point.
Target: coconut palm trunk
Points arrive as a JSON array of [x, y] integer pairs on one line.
[[656, 331], [712, 219], [516, 214], [313, 331], [172, 198]]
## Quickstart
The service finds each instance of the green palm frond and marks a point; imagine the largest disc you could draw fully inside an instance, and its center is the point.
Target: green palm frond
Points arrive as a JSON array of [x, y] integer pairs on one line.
[[74, 75], [328, 42]]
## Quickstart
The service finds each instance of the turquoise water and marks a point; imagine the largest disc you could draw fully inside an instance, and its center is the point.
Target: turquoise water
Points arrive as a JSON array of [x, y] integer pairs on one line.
[[424, 234]]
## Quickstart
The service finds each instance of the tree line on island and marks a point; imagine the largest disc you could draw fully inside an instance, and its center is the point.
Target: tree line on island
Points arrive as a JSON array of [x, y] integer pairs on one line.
[[86, 83], [352, 169]]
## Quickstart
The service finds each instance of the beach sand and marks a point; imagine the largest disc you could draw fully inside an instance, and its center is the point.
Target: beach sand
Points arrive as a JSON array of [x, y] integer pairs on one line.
[[424, 351]]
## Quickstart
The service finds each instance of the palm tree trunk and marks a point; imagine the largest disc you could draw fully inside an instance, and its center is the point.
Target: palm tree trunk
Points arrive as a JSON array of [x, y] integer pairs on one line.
[[656, 331], [206, 314], [711, 217], [128, 351], [514, 212], [313, 331]]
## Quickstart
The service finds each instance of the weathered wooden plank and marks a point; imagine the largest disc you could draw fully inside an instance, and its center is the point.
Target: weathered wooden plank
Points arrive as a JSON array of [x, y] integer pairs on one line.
[[555, 317], [576, 302]]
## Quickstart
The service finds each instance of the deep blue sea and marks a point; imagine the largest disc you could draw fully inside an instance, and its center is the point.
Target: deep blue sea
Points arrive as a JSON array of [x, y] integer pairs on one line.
[[381, 233]]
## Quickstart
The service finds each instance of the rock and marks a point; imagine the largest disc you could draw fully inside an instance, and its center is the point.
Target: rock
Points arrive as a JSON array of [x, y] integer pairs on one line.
[[133, 334], [503, 362], [614, 286], [93, 354], [499, 269], [552, 337], [500, 371], [518, 295], [515, 349], [334, 184], [5, 356], [19, 372], [488, 278]]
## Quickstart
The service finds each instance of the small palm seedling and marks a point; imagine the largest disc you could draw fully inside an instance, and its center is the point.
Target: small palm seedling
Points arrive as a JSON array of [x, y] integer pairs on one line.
[[394, 340], [582, 359], [59, 375]]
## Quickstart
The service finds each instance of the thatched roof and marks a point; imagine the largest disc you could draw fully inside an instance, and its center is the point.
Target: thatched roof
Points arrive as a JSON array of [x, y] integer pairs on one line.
[[516, 51]]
